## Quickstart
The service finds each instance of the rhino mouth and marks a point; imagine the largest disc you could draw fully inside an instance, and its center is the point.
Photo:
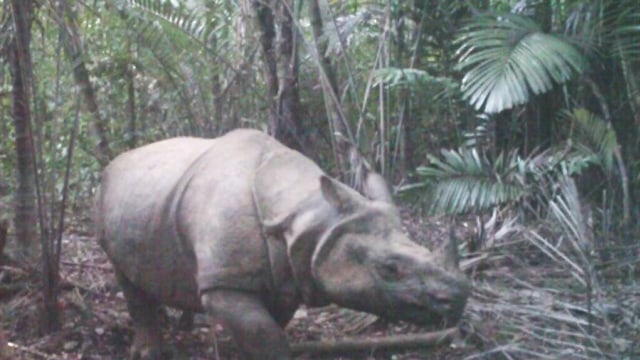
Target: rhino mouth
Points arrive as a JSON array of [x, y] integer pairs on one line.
[[436, 310], [441, 304], [422, 315]]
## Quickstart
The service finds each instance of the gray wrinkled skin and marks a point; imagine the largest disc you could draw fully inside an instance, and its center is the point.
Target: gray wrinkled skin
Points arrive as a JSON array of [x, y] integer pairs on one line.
[[247, 229]]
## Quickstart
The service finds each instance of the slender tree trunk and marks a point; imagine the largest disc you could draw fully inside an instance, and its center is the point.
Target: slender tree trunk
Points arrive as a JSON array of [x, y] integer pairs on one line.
[[26, 218], [21, 67], [504, 139], [411, 145], [131, 106], [282, 87], [543, 109], [73, 49], [329, 82], [289, 102], [322, 46], [266, 25], [131, 101], [4, 219], [219, 121], [5, 351], [539, 118], [398, 167]]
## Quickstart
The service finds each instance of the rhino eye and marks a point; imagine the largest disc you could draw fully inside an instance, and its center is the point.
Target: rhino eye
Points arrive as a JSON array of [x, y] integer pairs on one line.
[[390, 269]]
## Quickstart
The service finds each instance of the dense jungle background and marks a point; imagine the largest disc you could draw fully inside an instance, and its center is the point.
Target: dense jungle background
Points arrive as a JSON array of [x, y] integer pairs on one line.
[[516, 121]]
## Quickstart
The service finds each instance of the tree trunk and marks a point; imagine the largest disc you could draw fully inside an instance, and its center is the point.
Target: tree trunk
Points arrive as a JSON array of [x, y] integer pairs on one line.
[[130, 74], [282, 88], [4, 219], [266, 25], [541, 112], [412, 140], [21, 67], [73, 49], [329, 83], [219, 122], [289, 102], [5, 351]]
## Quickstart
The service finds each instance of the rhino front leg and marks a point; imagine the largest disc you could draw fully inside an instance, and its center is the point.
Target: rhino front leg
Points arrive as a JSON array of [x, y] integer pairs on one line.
[[144, 311], [253, 329]]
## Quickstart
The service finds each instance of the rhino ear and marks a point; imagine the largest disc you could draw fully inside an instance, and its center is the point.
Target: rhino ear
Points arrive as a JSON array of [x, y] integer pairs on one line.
[[337, 195]]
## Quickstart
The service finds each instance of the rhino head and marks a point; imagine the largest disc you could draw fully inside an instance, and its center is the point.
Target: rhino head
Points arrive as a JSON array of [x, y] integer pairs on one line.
[[364, 261]]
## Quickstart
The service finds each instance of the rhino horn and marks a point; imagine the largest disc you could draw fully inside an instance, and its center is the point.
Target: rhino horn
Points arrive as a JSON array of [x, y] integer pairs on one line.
[[447, 254]]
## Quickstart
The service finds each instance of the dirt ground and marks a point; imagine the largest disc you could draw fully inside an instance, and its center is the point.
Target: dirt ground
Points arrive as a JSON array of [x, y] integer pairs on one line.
[[97, 325]]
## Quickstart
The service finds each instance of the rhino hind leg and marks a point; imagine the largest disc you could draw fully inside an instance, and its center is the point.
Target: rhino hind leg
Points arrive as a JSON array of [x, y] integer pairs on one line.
[[254, 330], [145, 313]]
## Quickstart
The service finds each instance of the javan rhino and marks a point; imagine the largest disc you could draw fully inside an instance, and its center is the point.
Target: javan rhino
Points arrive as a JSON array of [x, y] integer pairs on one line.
[[247, 229]]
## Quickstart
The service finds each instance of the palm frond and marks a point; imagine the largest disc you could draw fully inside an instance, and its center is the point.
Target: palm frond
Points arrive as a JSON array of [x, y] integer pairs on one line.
[[592, 138], [567, 210], [607, 28], [482, 136], [626, 31], [408, 77], [566, 213], [465, 180], [166, 27], [192, 23], [508, 58]]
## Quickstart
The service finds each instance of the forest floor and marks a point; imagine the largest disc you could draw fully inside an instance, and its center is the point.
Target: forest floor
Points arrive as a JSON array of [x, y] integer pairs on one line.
[[97, 325]]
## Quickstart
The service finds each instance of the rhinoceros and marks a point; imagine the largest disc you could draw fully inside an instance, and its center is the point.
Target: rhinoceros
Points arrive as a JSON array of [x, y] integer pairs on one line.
[[245, 229]]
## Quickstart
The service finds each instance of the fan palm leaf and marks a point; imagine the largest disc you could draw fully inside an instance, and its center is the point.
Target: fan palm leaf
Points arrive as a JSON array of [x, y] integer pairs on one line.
[[506, 59]]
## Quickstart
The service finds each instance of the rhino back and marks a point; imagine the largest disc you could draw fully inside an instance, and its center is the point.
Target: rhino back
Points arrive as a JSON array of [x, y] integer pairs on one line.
[[181, 214], [131, 215]]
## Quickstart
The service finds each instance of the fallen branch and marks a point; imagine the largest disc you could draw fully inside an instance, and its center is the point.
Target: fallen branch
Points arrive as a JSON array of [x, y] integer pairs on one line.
[[20, 348], [408, 341]]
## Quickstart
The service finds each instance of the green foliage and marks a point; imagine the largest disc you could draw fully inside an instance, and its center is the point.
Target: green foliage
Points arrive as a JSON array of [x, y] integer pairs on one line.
[[592, 138], [507, 58], [608, 28], [197, 25], [181, 68], [627, 35], [412, 78], [467, 180], [345, 31], [167, 29]]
